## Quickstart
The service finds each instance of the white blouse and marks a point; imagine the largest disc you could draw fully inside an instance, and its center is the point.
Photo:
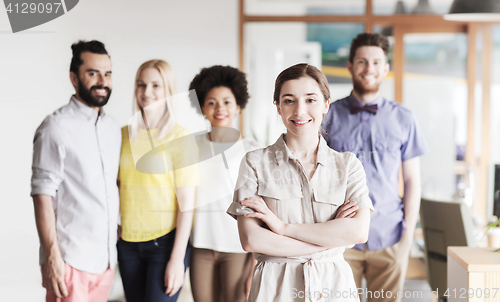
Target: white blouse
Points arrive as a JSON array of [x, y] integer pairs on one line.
[[212, 227]]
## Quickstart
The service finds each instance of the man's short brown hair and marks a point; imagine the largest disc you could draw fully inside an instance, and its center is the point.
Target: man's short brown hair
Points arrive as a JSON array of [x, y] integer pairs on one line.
[[366, 39]]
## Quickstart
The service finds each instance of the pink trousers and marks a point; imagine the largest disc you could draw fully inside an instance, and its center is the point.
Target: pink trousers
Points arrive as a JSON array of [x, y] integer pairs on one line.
[[84, 287]]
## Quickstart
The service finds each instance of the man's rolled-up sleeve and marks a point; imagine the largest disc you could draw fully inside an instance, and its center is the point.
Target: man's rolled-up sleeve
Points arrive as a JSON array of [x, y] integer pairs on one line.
[[48, 161]]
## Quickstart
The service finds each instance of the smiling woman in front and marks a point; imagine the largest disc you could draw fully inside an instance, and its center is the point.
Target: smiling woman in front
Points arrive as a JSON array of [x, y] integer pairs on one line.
[[298, 203]]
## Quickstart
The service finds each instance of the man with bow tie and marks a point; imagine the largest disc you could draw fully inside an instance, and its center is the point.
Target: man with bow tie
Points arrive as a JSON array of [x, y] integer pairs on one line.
[[382, 134]]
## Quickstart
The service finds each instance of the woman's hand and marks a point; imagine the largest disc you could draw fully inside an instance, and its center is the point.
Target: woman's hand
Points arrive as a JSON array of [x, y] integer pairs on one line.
[[347, 210], [263, 213], [174, 276]]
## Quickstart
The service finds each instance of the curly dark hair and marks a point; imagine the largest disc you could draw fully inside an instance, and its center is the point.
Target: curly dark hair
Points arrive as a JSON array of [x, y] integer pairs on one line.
[[83, 46], [217, 76]]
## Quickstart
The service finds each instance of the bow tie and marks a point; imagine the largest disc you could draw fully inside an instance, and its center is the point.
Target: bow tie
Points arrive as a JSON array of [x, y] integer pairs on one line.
[[356, 107]]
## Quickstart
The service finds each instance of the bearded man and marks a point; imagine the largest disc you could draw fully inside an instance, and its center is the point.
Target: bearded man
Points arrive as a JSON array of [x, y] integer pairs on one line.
[[73, 185]]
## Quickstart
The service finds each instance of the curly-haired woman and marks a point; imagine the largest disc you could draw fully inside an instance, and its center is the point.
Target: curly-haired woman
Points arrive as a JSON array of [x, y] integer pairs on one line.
[[220, 268]]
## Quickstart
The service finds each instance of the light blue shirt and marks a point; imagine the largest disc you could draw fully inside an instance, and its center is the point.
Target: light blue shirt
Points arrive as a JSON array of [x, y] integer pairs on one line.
[[75, 160]]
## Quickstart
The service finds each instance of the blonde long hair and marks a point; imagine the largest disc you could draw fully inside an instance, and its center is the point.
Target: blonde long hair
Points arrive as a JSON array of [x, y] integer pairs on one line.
[[168, 119]]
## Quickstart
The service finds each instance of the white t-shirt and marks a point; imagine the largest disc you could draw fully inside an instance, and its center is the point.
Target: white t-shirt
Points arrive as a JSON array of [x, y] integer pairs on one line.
[[212, 227]]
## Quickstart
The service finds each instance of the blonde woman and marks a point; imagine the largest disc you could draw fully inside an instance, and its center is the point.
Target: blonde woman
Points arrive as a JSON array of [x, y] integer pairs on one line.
[[152, 250]]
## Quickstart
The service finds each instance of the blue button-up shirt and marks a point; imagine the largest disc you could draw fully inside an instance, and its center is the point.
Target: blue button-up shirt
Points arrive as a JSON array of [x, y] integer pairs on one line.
[[380, 142]]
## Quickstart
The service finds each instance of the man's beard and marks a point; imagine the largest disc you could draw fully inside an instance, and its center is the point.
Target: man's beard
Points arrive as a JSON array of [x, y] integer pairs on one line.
[[93, 101], [362, 89]]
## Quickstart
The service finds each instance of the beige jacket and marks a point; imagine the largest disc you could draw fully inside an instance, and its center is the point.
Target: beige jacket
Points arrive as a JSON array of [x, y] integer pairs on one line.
[[276, 176]]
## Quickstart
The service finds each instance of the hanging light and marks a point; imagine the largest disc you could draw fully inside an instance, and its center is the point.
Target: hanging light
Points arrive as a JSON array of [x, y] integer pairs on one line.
[[474, 11], [400, 8], [423, 8]]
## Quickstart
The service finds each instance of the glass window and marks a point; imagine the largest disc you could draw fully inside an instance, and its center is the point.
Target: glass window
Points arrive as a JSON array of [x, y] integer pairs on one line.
[[495, 97], [335, 40], [435, 89], [304, 7], [271, 47], [493, 196]]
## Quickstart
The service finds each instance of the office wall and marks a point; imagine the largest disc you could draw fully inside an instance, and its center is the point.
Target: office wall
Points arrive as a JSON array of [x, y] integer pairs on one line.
[[34, 81]]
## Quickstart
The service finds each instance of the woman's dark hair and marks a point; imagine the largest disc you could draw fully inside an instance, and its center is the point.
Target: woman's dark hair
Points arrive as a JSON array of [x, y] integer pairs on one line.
[[217, 76], [366, 39], [83, 46], [299, 71]]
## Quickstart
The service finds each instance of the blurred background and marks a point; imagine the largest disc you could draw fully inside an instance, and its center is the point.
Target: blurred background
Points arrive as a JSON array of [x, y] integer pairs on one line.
[[447, 73]]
